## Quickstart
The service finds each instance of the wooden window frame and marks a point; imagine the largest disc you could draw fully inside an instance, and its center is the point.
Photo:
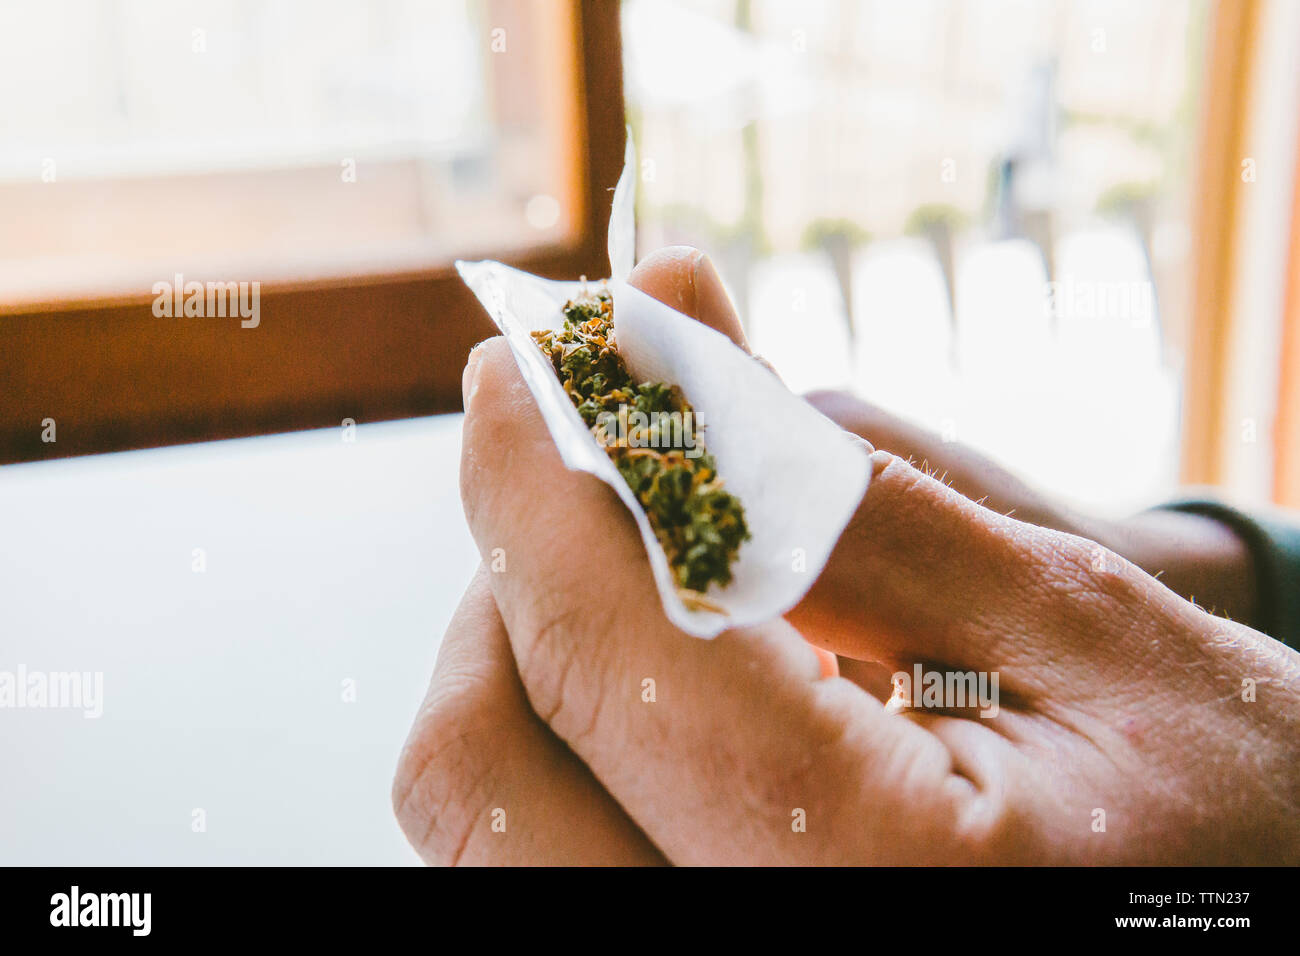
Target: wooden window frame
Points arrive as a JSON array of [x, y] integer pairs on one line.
[[1286, 425], [1234, 27], [369, 347], [1243, 316]]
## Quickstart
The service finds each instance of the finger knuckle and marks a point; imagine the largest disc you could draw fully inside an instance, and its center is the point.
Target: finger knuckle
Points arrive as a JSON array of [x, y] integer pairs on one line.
[[444, 783], [563, 669], [983, 827], [1079, 578]]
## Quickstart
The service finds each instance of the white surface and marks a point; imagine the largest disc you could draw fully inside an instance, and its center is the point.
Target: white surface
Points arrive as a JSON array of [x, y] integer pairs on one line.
[[326, 562]]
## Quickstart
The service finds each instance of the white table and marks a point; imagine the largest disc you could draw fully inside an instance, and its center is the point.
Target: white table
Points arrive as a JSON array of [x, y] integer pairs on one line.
[[223, 691]]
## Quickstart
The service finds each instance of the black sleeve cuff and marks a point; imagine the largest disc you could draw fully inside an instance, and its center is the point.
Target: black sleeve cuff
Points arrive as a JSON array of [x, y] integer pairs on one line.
[[1274, 545]]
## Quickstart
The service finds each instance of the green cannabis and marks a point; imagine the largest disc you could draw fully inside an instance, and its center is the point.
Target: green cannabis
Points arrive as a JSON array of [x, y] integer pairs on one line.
[[699, 525]]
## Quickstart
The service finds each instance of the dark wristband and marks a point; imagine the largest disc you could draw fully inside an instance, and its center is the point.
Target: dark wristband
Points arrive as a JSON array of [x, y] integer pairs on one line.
[[1274, 545]]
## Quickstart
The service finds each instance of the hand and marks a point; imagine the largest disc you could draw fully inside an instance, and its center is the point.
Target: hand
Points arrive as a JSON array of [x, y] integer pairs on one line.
[[1121, 734], [1194, 556]]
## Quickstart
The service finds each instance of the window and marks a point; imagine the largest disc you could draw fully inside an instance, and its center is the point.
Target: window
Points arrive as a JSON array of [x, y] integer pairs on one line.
[[333, 156], [977, 215]]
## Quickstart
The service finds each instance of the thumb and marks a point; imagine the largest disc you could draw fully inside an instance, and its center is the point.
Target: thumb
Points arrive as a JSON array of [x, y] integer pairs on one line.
[[923, 574], [684, 278]]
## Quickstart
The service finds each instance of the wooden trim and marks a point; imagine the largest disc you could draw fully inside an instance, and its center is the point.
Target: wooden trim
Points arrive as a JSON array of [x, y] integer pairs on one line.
[[1232, 41], [113, 376], [1286, 423]]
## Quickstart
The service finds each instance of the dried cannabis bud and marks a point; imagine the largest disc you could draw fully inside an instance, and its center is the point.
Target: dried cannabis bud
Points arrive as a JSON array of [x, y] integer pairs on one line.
[[649, 431]]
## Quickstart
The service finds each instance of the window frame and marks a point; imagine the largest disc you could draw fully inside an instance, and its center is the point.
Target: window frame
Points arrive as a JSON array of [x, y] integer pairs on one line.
[[365, 347]]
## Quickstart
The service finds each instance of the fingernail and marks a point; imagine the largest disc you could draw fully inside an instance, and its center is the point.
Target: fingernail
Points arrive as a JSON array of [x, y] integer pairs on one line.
[[711, 297], [469, 375]]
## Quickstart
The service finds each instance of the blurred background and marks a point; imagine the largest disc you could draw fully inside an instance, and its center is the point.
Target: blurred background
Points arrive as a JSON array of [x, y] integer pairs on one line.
[[219, 135], [1064, 232], [976, 215]]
